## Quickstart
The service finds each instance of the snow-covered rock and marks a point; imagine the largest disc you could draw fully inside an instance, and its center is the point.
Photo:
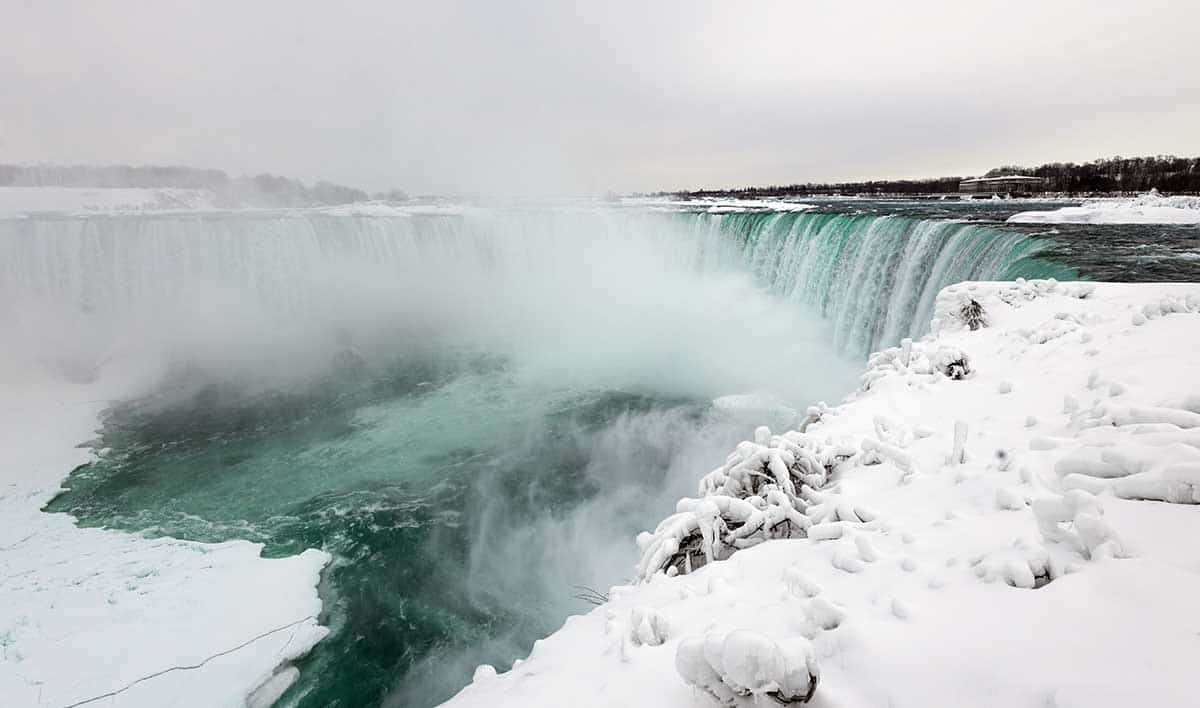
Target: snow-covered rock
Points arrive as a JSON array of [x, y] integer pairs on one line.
[[741, 665]]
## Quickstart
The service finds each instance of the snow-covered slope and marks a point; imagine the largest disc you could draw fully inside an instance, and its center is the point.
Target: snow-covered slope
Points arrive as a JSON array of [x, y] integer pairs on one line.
[[1151, 208], [105, 618], [992, 532]]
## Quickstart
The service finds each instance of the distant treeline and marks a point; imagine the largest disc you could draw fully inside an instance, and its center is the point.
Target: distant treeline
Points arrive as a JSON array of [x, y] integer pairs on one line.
[[1173, 175], [263, 190], [1165, 173], [875, 187]]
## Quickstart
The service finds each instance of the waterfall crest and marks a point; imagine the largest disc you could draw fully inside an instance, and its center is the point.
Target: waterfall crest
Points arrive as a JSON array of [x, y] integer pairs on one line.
[[874, 278]]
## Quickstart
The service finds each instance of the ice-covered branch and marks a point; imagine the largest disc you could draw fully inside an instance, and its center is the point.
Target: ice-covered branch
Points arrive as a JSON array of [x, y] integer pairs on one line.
[[761, 492]]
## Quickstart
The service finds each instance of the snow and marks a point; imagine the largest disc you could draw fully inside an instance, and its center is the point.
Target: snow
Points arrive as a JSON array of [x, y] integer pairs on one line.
[[1009, 516], [1151, 208], [747, 664], [388, 209], [106, 618], [17, 201], [714, 205]]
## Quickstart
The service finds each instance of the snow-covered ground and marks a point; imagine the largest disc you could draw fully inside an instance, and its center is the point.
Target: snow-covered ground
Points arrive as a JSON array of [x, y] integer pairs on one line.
[[1151, 208], [378, 208], [1003, 517], [715, 205], [15, 201], [106, 618]]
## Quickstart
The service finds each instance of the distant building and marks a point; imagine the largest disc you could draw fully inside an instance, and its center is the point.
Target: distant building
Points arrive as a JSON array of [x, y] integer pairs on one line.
[[1009, 184]]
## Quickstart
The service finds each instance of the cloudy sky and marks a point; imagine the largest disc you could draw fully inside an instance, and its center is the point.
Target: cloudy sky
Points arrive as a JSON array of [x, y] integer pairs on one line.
[[565, 97]]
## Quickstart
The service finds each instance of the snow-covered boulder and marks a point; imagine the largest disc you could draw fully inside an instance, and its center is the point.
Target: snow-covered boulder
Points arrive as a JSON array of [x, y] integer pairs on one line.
[[742, 666]]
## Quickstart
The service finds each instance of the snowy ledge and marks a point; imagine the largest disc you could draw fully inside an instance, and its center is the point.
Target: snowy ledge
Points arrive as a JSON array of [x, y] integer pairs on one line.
[[105, 618], [1001, 516]]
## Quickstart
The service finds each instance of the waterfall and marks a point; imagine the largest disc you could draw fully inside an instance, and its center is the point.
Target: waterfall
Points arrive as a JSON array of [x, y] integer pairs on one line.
[[525, 390], [874, 278]]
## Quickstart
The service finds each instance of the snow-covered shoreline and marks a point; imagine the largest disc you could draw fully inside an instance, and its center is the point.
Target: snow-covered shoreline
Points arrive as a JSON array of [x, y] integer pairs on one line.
[[99, 617], [1151, 208], [1028, 563]]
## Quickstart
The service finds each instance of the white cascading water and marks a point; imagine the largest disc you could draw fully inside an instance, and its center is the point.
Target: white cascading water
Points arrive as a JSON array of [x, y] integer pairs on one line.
[[873, 278]]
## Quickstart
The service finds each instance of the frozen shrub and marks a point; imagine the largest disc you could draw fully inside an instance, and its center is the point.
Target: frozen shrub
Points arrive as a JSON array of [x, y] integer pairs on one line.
[[759, 494], [952, 362], [740, 667], [1074, 520], [972, 314], [713, 528], [647, 626]]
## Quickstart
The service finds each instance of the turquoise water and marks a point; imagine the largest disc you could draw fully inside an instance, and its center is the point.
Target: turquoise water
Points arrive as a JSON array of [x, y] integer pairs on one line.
[[473, 414], [442, 491]]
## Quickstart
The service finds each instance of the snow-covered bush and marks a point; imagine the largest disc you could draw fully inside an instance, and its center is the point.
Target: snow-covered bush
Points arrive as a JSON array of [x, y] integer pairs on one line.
[[1160, 461], [760, 493], [1018, 566], [1024, 290], [712, 528], [738, 667], [952, 362], [647, 626], [972, 314], [916, 363], [1074, 519]]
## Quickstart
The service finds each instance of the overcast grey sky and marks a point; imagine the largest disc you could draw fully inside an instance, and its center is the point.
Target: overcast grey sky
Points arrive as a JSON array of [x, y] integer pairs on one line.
[[566, 97]]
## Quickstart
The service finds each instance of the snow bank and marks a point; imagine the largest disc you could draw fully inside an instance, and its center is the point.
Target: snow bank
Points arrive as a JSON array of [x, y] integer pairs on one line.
[[389, 209], [98, 617], [1152, 208], [981, 524], [16, 201], [720, 206]]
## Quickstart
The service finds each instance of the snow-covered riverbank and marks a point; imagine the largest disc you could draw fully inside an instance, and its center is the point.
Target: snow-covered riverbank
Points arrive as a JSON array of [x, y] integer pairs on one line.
[[1026, 535], [106, 618], [1152, 208]]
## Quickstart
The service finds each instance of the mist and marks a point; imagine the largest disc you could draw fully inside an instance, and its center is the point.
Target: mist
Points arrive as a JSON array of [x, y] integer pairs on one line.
[[573, 296]]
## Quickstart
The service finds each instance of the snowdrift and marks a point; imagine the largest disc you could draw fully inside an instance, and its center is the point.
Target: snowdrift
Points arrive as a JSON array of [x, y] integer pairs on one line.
[[1006, 513]]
